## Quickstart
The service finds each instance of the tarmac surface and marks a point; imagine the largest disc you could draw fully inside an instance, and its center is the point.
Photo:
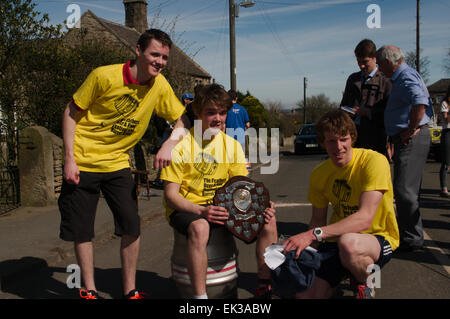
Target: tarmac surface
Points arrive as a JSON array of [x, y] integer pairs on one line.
[[33, 260]]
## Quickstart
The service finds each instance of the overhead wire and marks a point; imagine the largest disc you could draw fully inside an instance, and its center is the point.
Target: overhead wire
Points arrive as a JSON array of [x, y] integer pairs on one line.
[[278, 39], [200, 10], [221, 40]]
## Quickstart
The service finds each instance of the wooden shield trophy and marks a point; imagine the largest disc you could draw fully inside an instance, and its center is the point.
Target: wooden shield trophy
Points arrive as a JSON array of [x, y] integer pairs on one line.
[[245, 201]]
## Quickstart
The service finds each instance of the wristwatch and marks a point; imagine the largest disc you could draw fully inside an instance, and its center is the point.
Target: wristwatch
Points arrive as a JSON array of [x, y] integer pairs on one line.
[[318, 232]]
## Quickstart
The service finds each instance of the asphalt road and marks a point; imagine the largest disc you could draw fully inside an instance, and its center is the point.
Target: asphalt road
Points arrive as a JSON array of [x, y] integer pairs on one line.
[[424, 275]]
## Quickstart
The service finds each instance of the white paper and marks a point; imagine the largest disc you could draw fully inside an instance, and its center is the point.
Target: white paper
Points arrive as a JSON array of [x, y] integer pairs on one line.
[[348, 109], [274, 257]]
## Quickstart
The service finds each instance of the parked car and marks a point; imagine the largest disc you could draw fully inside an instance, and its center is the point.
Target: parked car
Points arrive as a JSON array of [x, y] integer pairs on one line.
[[306, 140]]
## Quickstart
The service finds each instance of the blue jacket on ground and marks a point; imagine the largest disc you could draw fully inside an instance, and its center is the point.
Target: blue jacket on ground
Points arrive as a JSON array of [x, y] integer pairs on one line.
[[296, 274]]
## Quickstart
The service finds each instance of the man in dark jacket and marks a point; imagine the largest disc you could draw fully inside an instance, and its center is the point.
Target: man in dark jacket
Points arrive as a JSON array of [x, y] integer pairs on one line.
[[367, 93]]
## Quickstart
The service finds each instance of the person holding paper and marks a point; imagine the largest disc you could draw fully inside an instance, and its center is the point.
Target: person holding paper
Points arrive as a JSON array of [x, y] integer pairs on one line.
[[363, 228], [366, 94]]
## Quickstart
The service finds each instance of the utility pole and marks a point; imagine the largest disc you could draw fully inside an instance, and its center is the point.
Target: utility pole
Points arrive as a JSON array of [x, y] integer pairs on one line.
[[418, 37], [232, 45], [233, 14], [304, 99]]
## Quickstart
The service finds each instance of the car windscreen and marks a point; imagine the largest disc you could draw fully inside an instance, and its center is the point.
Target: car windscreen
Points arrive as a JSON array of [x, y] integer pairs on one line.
[[308, 130]]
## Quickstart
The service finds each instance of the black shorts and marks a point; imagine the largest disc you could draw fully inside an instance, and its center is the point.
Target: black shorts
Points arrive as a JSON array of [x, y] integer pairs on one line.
[[180, 221], [332, 270], [78, 204]]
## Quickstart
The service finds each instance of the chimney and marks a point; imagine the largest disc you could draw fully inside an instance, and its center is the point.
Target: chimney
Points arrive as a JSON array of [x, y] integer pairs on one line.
[[136, 14]]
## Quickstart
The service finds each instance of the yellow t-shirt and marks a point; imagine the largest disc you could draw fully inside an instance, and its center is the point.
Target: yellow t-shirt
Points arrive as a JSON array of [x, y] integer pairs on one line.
[[202, 167], [342, 187], [115, 116]]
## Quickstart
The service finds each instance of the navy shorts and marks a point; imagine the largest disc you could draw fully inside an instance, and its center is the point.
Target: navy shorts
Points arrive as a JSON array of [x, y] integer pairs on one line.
[[78, 204], [332, 270]]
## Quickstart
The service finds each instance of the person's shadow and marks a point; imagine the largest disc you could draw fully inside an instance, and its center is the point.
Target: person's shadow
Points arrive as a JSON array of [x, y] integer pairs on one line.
[[32, 278]]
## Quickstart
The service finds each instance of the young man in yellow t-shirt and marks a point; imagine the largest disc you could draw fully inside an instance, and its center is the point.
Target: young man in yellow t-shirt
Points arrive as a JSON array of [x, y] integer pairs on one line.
[[203, 162], [363, 228], [106, 117]]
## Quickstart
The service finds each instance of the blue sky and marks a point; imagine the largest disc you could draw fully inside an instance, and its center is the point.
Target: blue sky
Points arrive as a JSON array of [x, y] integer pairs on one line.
[[281, 42]]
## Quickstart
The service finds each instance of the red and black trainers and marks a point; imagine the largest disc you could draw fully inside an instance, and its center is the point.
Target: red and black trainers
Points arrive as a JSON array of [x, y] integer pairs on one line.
[[365, 292], [135, 294], [88, 294], [263, 292]]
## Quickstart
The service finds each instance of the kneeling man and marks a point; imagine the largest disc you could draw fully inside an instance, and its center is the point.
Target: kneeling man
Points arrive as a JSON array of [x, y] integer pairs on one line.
[[203, 161], [363, 227]]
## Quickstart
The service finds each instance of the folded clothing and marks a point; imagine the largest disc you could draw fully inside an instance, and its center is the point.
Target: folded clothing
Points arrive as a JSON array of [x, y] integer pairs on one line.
[[298, 275]]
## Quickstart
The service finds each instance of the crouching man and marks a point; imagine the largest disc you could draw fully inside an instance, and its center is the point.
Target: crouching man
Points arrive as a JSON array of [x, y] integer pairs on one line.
[[363, 227], [203, 162]]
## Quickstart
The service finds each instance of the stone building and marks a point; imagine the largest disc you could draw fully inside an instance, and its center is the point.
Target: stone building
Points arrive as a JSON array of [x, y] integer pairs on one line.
[[184, 73], [438, 90]]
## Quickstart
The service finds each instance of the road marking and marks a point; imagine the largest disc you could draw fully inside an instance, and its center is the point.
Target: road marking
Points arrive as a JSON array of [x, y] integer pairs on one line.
[[292, 204], [438, 253]]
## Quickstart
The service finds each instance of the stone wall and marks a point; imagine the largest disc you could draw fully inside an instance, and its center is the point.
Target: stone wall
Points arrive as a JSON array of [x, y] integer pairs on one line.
[[36, 167], [41, 165]]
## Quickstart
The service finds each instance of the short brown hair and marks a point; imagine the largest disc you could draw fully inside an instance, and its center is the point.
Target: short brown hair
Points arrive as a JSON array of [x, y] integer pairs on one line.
[[233, 94], [366, 48], [212, 93], [147, 36], [337, 122]]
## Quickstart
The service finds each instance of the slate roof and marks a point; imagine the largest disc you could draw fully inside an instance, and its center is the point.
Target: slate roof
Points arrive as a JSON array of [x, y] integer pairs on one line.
[[129, 36], [439, 86]]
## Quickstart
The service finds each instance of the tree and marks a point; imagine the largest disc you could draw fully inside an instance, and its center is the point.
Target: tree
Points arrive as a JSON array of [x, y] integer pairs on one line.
[[256, 111], [411, 60], [287, 122], [21, 27], [447, 62], [57, 72], [39, 71], [316, 106]]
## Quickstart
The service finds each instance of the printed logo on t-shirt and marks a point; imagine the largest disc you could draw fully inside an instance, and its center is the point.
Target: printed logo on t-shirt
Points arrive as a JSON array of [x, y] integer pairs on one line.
[[125, 105], [343, 193], [206, 166]]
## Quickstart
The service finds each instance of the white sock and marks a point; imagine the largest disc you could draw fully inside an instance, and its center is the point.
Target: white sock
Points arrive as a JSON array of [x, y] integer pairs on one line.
[[204, 296]]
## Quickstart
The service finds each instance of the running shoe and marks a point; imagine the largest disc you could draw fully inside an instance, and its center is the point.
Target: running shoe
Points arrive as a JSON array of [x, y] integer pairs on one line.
[[88, 294], [135, 294], [365, 292], [263, 292]]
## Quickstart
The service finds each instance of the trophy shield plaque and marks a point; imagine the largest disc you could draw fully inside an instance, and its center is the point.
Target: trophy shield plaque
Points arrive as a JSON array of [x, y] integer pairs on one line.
[[245, 201]]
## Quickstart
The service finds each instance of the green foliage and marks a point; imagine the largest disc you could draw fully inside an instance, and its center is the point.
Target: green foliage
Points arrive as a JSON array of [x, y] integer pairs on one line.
[[316, 106], [21, 27], [256, 111], [40, 72], [62, 70]]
